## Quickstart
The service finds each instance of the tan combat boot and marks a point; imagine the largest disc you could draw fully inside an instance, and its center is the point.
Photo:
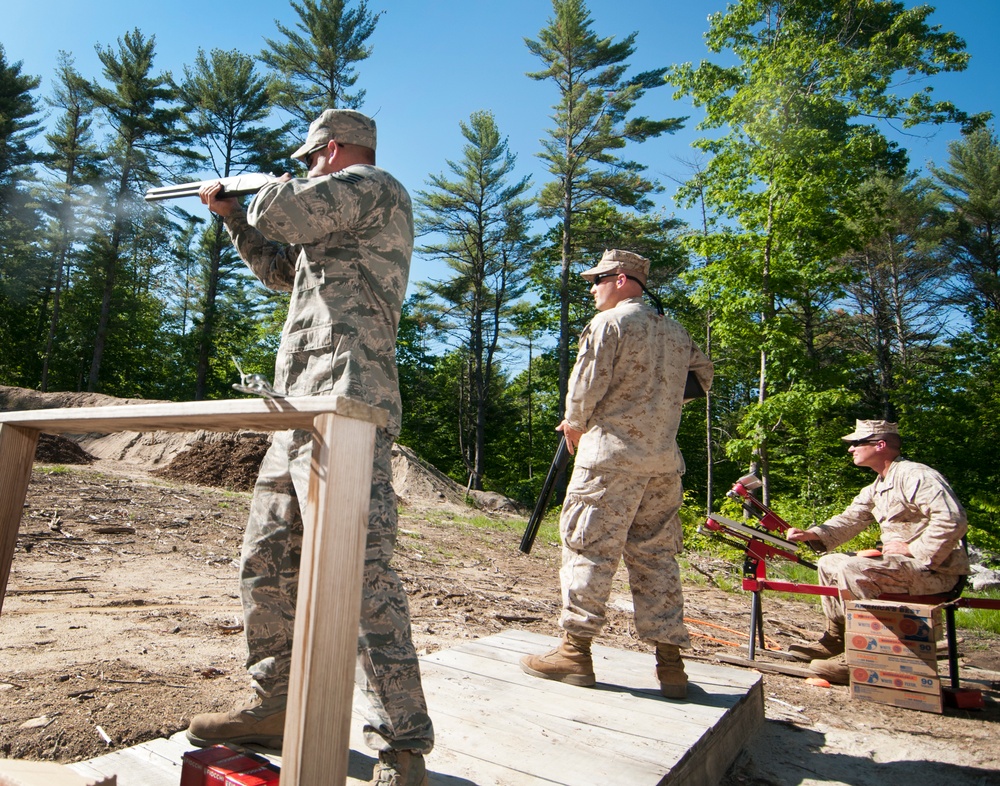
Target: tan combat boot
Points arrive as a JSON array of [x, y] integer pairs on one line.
[[262, 723], [830, 645], [570, 662], [670, 671], [399, 768], [834, 670]]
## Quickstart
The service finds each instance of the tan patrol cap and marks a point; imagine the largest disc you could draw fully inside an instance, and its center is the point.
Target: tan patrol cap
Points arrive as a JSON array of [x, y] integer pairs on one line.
[[343, 125], [870, 429], [616, 261]]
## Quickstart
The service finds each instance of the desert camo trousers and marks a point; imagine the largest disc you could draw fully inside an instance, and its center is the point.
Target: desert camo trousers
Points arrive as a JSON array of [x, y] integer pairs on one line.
[[272, 547], [864, 577], [610, 515]]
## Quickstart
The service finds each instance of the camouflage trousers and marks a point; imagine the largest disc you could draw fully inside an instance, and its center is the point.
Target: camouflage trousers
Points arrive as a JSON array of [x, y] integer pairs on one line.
[[864, 577], [607, 516], [272, 549]]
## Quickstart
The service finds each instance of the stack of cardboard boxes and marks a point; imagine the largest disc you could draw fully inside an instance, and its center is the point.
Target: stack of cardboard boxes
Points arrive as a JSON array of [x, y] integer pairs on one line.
[[892, 653]]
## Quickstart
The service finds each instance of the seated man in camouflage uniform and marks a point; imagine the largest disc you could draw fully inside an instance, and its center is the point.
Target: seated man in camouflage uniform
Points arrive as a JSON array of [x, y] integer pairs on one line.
[[623, 408], [340, 241], [922, 525]]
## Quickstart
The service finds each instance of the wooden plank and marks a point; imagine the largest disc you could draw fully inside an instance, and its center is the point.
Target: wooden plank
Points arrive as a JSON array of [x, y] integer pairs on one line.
[[768, 668], [320, 695], [17, 452], [264, 414]]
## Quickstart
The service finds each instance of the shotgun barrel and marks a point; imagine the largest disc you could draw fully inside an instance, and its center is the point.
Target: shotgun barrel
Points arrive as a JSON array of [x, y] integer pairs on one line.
[[559, 462], [239, 185]]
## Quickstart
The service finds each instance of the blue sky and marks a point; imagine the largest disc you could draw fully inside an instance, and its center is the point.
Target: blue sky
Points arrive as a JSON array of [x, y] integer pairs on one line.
[[437, 61]]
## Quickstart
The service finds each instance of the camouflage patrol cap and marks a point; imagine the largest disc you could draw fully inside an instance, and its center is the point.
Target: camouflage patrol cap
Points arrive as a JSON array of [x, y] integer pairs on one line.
[[344, 125], [870, 429], [615, 261]]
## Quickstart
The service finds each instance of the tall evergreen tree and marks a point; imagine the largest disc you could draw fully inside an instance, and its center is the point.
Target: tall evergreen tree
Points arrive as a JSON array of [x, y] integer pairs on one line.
[[971, 186], [478, 225], [315, 66], [21, 275], [75, 160], [227, 105], [583, 152], [140, 107]]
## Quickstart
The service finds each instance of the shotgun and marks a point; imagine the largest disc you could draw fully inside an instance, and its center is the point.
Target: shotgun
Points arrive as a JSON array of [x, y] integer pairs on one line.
[[239, 185], [559, 462]]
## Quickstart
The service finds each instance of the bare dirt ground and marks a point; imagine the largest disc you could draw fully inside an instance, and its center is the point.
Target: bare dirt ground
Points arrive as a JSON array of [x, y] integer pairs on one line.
[[122, 619]]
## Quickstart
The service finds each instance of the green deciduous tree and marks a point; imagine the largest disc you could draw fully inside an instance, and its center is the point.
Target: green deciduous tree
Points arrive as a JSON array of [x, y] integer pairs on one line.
[[315, 67], [797, 136], [592, 126]]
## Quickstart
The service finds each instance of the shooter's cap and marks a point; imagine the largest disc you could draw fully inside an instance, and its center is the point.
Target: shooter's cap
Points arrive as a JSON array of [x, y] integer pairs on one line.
[[343, 125], [616, 261], [871, 429]]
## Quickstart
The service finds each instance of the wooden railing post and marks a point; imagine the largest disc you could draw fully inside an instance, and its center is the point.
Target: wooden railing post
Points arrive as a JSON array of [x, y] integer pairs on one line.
[[17, 454]]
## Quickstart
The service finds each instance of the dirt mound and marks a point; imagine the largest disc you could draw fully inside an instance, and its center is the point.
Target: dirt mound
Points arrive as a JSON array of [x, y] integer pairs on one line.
[[56, 449], [23, 398], [230, 461], [414, 479]]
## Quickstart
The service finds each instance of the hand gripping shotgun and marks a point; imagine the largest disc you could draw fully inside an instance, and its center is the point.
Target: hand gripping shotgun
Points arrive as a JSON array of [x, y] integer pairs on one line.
[[239, 185]]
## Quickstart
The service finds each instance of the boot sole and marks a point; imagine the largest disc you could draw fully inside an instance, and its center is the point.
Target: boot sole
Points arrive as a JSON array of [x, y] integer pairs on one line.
[[579, 680], [273, 743]]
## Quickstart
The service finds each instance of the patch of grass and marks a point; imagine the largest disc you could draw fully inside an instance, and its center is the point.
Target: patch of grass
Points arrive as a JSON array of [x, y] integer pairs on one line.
[[55, 469], [986, 621]]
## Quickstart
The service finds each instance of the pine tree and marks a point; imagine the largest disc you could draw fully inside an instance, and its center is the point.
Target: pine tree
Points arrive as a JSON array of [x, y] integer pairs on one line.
[[592, 126], [478, 223], [315, 66]]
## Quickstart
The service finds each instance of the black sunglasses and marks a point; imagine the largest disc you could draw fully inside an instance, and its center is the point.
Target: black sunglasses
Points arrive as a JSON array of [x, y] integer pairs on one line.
[[855, 442], [599, 278]]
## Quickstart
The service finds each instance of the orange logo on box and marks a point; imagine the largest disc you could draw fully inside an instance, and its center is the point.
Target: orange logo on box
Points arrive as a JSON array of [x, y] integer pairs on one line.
[[908, 626], [860, 642], [876, 626]]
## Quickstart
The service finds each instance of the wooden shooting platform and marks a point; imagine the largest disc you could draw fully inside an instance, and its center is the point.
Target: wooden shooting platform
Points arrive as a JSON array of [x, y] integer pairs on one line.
[[496, 725]]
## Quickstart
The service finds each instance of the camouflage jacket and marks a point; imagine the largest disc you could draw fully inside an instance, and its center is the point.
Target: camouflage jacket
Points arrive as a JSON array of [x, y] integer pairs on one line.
[[627, 389], [913, 504], [341, 244]]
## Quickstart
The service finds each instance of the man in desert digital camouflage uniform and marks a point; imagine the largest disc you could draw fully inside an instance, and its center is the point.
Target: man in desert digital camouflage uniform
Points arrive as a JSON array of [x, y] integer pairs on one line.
[[340, 241], [623, 408], [921, 523]]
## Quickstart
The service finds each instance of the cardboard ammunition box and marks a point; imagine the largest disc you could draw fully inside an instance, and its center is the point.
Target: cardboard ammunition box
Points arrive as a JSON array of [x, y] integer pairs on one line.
[[919, 683], [911, 700], [195, 764], [907, 622], [902, 663], [891, 645]]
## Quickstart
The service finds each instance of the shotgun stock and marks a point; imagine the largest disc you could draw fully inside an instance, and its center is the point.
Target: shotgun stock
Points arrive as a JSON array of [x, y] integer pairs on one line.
[[239, 185], [559, 462]]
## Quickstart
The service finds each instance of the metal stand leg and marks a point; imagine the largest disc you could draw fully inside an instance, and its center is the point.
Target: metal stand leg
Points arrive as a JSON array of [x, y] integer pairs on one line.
[[756, 624], [949, 621]]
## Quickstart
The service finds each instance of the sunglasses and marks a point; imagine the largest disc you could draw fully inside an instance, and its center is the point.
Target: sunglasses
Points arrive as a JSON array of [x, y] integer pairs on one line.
[[599, 278], [856, 442]]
